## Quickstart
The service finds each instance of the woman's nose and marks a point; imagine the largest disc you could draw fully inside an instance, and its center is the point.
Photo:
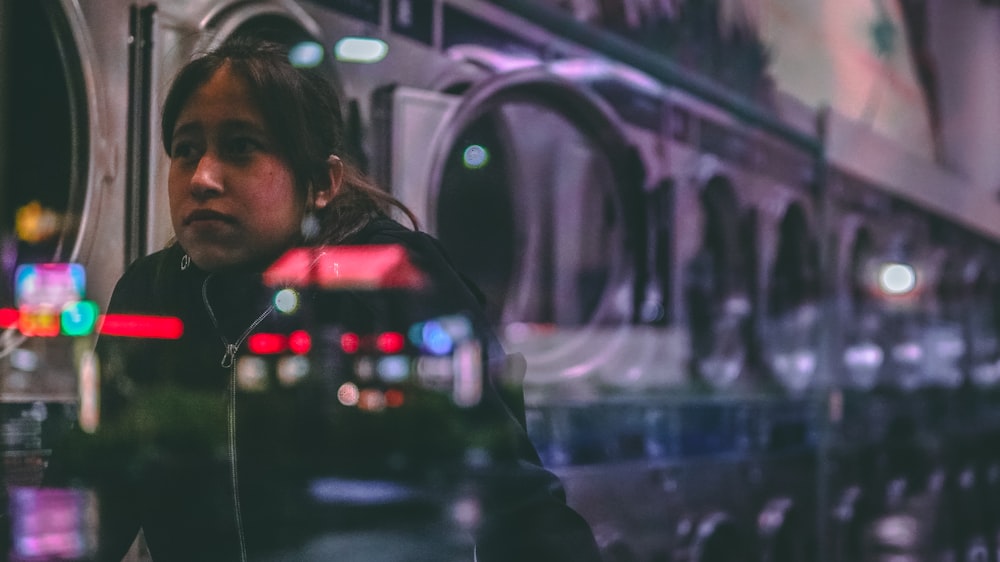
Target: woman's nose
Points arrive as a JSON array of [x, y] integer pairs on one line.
[[207, 179]]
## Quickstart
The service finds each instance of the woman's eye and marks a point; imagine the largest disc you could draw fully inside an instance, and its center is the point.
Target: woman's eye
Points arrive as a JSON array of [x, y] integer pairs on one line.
[[183, 150], [242, 146]]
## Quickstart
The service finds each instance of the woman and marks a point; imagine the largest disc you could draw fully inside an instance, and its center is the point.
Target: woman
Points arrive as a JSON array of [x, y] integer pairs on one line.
[[207, 471]]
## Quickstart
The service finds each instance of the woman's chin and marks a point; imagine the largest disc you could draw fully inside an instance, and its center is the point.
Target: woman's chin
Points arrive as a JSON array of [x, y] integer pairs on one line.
[[218, 260], [231, 262]]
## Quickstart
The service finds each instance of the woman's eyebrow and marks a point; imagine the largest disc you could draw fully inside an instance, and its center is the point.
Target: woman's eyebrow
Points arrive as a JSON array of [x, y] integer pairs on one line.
[[189, 127], [227, 126], [242, 126]]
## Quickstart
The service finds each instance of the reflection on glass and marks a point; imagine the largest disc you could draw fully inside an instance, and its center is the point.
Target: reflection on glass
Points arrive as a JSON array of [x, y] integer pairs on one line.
[[475, 157], [944, 347], [360, 49], [897, 278], [306, 54], [53, 524], [35, 224], [717, 286], [863, 361], [286, 301], [528, 209], [791, 330], [722, 366], [864, 351], [795, 367]]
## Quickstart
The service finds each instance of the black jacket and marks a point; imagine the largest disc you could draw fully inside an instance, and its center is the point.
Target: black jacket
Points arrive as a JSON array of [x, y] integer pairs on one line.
[[180, 443]]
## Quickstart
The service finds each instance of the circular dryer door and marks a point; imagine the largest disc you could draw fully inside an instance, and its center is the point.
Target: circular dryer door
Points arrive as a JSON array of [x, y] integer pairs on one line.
[[46, 135], [44, 165], [534, 197], [717, 287], [791, 322]]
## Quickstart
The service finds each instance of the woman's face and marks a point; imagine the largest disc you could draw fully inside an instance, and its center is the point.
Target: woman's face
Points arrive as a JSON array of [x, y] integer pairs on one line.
[[233, 200]]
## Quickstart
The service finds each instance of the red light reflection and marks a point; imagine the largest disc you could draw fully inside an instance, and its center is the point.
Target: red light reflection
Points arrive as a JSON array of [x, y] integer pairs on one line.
[[299, 342], [394, 398], [39, 321], [390, 342], [8, 317], [140, 326], [267, 344], [364, 267], [350, 342]]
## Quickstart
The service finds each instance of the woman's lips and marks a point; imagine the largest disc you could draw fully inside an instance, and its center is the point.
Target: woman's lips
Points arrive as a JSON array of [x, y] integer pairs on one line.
[[207, 215]]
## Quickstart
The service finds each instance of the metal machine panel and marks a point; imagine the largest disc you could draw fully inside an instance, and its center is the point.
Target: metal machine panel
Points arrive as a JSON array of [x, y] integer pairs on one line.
[[513, 154], [416, 117]]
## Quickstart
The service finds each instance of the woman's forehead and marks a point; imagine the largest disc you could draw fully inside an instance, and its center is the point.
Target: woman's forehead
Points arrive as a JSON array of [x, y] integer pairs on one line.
[[225, 99]]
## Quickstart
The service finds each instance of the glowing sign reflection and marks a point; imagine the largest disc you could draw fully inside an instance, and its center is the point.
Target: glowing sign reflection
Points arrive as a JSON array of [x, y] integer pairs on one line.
[[141, 326]]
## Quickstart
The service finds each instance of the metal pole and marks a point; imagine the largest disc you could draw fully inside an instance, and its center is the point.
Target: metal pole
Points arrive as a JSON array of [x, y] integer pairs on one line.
[[829, 399]]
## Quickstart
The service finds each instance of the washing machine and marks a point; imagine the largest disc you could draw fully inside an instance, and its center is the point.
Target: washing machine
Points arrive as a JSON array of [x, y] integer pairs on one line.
[[911, 360], [747, 248], [55, 166], [746, 253], [979, 295], [968, 303], [534, 184]]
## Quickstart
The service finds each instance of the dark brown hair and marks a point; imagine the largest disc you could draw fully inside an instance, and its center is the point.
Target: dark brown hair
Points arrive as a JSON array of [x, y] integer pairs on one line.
[[302, 110]]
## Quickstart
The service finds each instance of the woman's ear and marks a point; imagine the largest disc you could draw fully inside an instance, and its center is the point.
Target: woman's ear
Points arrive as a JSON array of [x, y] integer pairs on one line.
[[323, 197]]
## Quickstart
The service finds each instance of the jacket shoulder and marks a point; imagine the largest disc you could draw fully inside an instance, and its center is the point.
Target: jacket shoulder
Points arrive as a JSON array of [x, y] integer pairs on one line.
[[384, 230], [139, 289]]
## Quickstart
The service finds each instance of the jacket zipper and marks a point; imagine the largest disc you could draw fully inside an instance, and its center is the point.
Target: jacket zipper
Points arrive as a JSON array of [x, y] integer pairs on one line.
[[229, 362]]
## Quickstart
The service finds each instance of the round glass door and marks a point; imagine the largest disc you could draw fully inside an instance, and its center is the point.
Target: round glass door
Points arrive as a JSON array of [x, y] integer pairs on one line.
[[717, 289], [42, 183], [790, 335], [530, 208]]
